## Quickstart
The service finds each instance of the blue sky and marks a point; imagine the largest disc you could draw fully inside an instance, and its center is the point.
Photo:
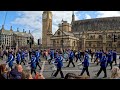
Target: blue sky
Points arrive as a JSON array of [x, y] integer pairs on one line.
[[32, 20]]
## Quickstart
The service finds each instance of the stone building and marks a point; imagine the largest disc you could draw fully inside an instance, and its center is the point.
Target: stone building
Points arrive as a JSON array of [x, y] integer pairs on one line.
[[11, 39], [94, 34]]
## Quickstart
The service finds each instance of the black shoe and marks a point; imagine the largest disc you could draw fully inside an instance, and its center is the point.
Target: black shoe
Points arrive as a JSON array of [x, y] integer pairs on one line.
[[62, 77], [73, 66], [104, 76], [67, 66]]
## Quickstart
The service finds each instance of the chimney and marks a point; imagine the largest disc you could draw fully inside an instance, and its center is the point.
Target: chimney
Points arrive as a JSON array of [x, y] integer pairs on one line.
[[23, 30], [17, 29], [11, 28]]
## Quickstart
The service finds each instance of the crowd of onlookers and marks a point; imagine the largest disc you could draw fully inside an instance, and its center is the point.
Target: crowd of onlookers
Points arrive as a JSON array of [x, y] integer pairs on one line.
[[17, 73]]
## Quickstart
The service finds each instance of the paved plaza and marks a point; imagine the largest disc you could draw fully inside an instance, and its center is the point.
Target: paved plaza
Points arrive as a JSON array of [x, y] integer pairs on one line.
[[47, 69]]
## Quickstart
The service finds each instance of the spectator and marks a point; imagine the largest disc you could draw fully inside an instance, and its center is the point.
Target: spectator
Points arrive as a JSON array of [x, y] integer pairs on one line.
[[115, 73], [29, 76], [26, 75], [16, 73], [39, 76], [3, 72]]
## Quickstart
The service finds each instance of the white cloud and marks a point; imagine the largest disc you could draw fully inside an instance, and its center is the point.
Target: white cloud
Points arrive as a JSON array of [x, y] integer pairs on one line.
[[107, 13], [87, 16], [32, 20]]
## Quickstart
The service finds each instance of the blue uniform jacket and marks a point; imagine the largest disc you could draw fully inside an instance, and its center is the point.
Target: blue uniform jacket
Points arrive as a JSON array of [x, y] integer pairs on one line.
[[103, 62], [71, 55], [79, 54], [10, 60], [52, 53], [109, 57], [37, 56], [100, 55], [33, 62], [18, 58], [23, 55], [59, 62], [114, 54], [26, 54], [86, 61], [97, 54]]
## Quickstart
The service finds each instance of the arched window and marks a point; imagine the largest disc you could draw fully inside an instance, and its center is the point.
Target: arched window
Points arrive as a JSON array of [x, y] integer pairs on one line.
[[100, 37], [109, 45], [91, 37], [54, 42], [58, 33], [89, 44], [61, 42]]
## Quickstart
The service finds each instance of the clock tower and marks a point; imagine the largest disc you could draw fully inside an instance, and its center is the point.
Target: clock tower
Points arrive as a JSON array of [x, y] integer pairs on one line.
[[46, 28]]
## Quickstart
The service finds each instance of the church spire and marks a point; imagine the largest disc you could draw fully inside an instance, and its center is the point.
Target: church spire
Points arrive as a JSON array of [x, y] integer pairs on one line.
[[73, 17]]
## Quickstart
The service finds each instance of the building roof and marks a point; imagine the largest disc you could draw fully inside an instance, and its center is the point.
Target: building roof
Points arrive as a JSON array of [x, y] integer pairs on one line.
[[68, 33], [8, 32], [23, 34], [107, 23]]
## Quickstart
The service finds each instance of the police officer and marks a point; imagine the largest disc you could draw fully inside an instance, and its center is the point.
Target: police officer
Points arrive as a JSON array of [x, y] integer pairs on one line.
[[33, 64], [71, 56], [103, 66], [114, 57], [59, 65], [85, 64], [37, 54], [22, 57], [18, 58], [10, 60], [109, 59]]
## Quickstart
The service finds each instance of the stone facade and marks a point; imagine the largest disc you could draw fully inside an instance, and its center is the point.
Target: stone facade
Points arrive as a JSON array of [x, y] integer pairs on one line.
[[92, 34], [11, 39]]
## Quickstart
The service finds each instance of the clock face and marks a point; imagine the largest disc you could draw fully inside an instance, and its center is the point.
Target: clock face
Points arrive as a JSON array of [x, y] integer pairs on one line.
[[44, 16]]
